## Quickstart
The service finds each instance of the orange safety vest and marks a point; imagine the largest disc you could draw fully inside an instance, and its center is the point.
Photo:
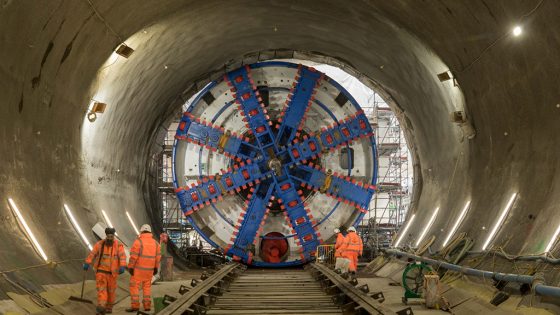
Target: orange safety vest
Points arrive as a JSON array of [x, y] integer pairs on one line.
[[145, 255], [353, 244], [340, 245], [107, 259]]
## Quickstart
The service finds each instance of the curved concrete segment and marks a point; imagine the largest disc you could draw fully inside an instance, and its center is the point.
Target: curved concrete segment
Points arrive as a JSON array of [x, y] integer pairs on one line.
[[56, 57]]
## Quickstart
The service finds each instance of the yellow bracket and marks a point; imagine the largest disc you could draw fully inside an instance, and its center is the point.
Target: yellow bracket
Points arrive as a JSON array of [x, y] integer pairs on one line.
[[223, 141], [327, 183]]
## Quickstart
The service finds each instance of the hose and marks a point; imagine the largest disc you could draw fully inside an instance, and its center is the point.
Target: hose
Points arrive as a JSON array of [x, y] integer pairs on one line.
[[536, 282]]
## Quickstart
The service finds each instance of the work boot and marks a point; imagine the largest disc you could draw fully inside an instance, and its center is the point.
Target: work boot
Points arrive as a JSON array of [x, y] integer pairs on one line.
[[108, 311], [131, 310], [99, 310]]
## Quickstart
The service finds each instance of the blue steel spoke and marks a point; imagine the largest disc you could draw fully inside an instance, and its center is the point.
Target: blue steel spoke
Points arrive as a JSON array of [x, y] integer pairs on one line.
[[345, 131], [299, 100], [215, 138], [339, 187], [251, 107], [212, 188], [250, 222], [341, 133], [299, 218]]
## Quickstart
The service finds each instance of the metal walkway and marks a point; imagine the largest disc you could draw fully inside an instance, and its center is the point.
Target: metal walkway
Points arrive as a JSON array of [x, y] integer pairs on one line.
[[286, 291]]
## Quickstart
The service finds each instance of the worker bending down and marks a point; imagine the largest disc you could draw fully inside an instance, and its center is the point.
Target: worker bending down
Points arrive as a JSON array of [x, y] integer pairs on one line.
[[353, 249], [341, 263], [145, 256], [109, 261]]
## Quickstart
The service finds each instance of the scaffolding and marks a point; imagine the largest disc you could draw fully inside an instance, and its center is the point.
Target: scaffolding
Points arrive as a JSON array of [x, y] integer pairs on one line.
[[390, 203], [174, 222], [387, 209]]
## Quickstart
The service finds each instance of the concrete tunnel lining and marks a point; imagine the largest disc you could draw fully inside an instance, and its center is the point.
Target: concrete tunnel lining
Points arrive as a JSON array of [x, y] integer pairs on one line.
[[108, 87], [40, 121]]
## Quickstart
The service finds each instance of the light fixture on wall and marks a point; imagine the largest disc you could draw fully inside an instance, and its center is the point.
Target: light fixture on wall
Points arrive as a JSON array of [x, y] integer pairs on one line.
[[77, 226], [28, 231], [403, 233], [107, 220], [132, 223], [124, 50], [445, 76], [517, 31], [94, 108], [460, 118], [427, 227], [457, 223], [500, 221], [552, 240]]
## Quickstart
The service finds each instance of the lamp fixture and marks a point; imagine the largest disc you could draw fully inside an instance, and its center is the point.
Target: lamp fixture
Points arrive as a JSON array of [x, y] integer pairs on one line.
[[132, 223], [107, 220], [427, 227], [403, 233], [500, 221], [552, 240], [27, 229], [77, 226], [124, 50], [457, 223]]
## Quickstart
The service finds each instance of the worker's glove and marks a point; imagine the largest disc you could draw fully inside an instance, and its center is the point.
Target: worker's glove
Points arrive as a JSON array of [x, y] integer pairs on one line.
[[86, 267], [121, 270], [131, 271], [155, 271]]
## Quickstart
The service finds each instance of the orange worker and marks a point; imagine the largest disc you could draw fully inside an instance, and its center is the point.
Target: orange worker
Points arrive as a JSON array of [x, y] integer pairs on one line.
[[145, 256], [341, 263], [354, 248], [109, 261]]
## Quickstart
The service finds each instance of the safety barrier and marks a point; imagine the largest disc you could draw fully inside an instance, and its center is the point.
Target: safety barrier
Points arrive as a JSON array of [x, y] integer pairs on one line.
[[325, 254]]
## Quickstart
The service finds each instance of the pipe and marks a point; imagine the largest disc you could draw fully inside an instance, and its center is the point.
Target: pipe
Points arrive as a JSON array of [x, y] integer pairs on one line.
[[553, 261], [536, 282]]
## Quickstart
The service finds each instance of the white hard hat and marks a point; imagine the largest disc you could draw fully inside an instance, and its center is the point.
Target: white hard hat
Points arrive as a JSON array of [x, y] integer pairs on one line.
[[146, 228], [336, 230], [351, 229]]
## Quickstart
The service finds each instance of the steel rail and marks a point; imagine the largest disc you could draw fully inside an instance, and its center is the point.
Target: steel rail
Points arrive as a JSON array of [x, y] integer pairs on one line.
[[186, 301], [366, 304]]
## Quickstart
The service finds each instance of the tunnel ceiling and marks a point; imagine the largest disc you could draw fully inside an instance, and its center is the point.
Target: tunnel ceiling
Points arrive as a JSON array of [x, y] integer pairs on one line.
[[51, 58]]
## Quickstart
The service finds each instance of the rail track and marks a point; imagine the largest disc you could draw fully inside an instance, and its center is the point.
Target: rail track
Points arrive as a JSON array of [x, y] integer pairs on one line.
[[234, 289]]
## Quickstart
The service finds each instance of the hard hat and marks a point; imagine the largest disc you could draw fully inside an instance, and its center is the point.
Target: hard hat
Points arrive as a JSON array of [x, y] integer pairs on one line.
[[145, 228], [351, 229], [110, 230], [336, 230]]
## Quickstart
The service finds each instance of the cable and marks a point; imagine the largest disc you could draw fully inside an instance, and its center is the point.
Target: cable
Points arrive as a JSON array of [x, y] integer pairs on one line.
[[52, 263], [103, 20], [499, 38]]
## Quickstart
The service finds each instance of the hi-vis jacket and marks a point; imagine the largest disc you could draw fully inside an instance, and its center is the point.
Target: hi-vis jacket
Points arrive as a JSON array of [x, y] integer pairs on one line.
[[145, 255], [340, 245], [107, 259]]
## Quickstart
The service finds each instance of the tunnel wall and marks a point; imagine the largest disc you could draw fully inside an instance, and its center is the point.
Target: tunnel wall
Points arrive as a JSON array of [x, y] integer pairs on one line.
[[514, 111], [51, 54]]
